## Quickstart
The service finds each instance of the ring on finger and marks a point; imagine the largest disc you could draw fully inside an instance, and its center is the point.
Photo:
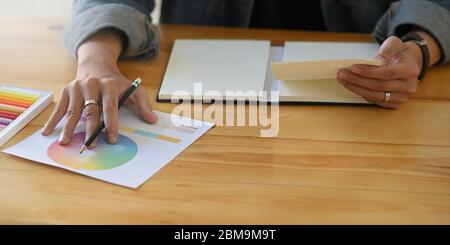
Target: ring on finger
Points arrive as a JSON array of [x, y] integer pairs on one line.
[[91, 102]]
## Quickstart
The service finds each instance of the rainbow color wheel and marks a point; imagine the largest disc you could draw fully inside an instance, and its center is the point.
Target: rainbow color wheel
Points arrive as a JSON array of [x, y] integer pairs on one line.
[[103, 156]]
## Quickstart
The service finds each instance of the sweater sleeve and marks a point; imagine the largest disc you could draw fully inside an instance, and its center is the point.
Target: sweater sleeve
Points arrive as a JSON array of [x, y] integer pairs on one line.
[[431, 16], [130, 17]]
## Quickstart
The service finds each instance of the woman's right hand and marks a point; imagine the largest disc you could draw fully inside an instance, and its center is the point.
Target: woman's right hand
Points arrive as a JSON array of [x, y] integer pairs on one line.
[[98, 78]]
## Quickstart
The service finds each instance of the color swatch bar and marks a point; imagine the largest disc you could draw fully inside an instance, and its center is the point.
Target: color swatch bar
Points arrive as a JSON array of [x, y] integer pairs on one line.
[[12, 104], [181, 128], [149, 134]]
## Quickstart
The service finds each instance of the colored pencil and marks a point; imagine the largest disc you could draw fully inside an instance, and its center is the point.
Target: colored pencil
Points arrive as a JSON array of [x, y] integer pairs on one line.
[[14, 103], [5, 121], [8, 115], [12, 108], [16, 98], [19, 95]]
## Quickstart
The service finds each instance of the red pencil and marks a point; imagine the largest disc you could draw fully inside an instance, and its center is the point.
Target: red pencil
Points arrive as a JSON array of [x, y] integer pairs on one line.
[[8, 115]]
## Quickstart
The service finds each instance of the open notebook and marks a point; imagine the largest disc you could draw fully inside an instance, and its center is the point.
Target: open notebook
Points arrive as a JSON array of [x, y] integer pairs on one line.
[[299, 71]]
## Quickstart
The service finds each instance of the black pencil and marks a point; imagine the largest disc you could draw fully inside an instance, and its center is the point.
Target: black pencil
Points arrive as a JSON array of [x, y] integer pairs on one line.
[[134, 85]]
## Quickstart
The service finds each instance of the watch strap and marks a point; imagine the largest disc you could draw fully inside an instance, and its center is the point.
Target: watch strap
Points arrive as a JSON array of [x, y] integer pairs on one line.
[[422, 43]]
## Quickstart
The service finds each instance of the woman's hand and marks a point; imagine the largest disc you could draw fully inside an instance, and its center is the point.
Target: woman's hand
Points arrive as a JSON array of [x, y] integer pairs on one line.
[[98, 78], [398, 75]]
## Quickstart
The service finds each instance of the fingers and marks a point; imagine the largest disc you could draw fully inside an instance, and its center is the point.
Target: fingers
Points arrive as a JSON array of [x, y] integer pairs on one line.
[[395, 71], [58, 113], [404, 69], [110, 110], [389, 49], [91, 91], [378, 85], [72, 101], [398, 76], [398, 63], [73, 113], [376, 97], [143, 106]]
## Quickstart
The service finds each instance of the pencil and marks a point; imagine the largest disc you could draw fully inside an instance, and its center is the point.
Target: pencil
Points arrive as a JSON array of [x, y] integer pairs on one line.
[[134, 85]]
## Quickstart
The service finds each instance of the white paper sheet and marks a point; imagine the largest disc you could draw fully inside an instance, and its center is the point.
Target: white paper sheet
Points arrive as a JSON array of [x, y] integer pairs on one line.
[[218, 65], [142, 149]]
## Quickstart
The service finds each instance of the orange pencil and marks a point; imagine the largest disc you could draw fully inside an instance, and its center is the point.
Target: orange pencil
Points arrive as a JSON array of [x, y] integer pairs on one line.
[[13, 103]]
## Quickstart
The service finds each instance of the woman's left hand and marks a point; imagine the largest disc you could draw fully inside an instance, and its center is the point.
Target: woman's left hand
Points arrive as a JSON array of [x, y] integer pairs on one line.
[[401, 65]]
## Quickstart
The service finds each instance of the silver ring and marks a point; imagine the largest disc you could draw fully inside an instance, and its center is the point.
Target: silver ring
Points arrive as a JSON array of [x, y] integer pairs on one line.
[[387, 97], [90, 102]]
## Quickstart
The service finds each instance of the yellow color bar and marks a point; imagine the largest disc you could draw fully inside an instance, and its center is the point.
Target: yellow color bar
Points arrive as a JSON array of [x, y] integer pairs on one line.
[[126, 129], [149, 134], [167, 138]]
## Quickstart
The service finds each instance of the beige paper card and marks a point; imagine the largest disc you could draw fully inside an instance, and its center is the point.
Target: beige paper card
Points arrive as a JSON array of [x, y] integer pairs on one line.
[[315, 70]]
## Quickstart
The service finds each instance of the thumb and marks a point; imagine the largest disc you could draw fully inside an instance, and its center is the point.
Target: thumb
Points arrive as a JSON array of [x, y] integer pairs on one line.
[[143, 106], [389, 49]]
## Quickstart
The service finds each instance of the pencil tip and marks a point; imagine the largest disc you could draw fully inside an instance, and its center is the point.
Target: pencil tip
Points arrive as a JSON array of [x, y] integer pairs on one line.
[[82, 149]]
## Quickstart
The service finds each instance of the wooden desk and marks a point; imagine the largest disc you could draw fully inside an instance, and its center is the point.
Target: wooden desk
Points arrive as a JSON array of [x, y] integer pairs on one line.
[[329, 164]]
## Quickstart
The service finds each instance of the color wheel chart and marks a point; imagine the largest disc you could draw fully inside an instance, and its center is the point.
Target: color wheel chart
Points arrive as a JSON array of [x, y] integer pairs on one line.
[[106, 156]]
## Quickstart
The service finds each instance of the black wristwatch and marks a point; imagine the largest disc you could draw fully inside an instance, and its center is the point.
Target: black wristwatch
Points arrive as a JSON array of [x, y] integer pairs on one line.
[[416, 38]]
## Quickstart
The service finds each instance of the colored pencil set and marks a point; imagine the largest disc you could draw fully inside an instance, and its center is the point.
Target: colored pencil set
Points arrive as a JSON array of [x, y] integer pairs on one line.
[[18, 106], [12, 104]]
